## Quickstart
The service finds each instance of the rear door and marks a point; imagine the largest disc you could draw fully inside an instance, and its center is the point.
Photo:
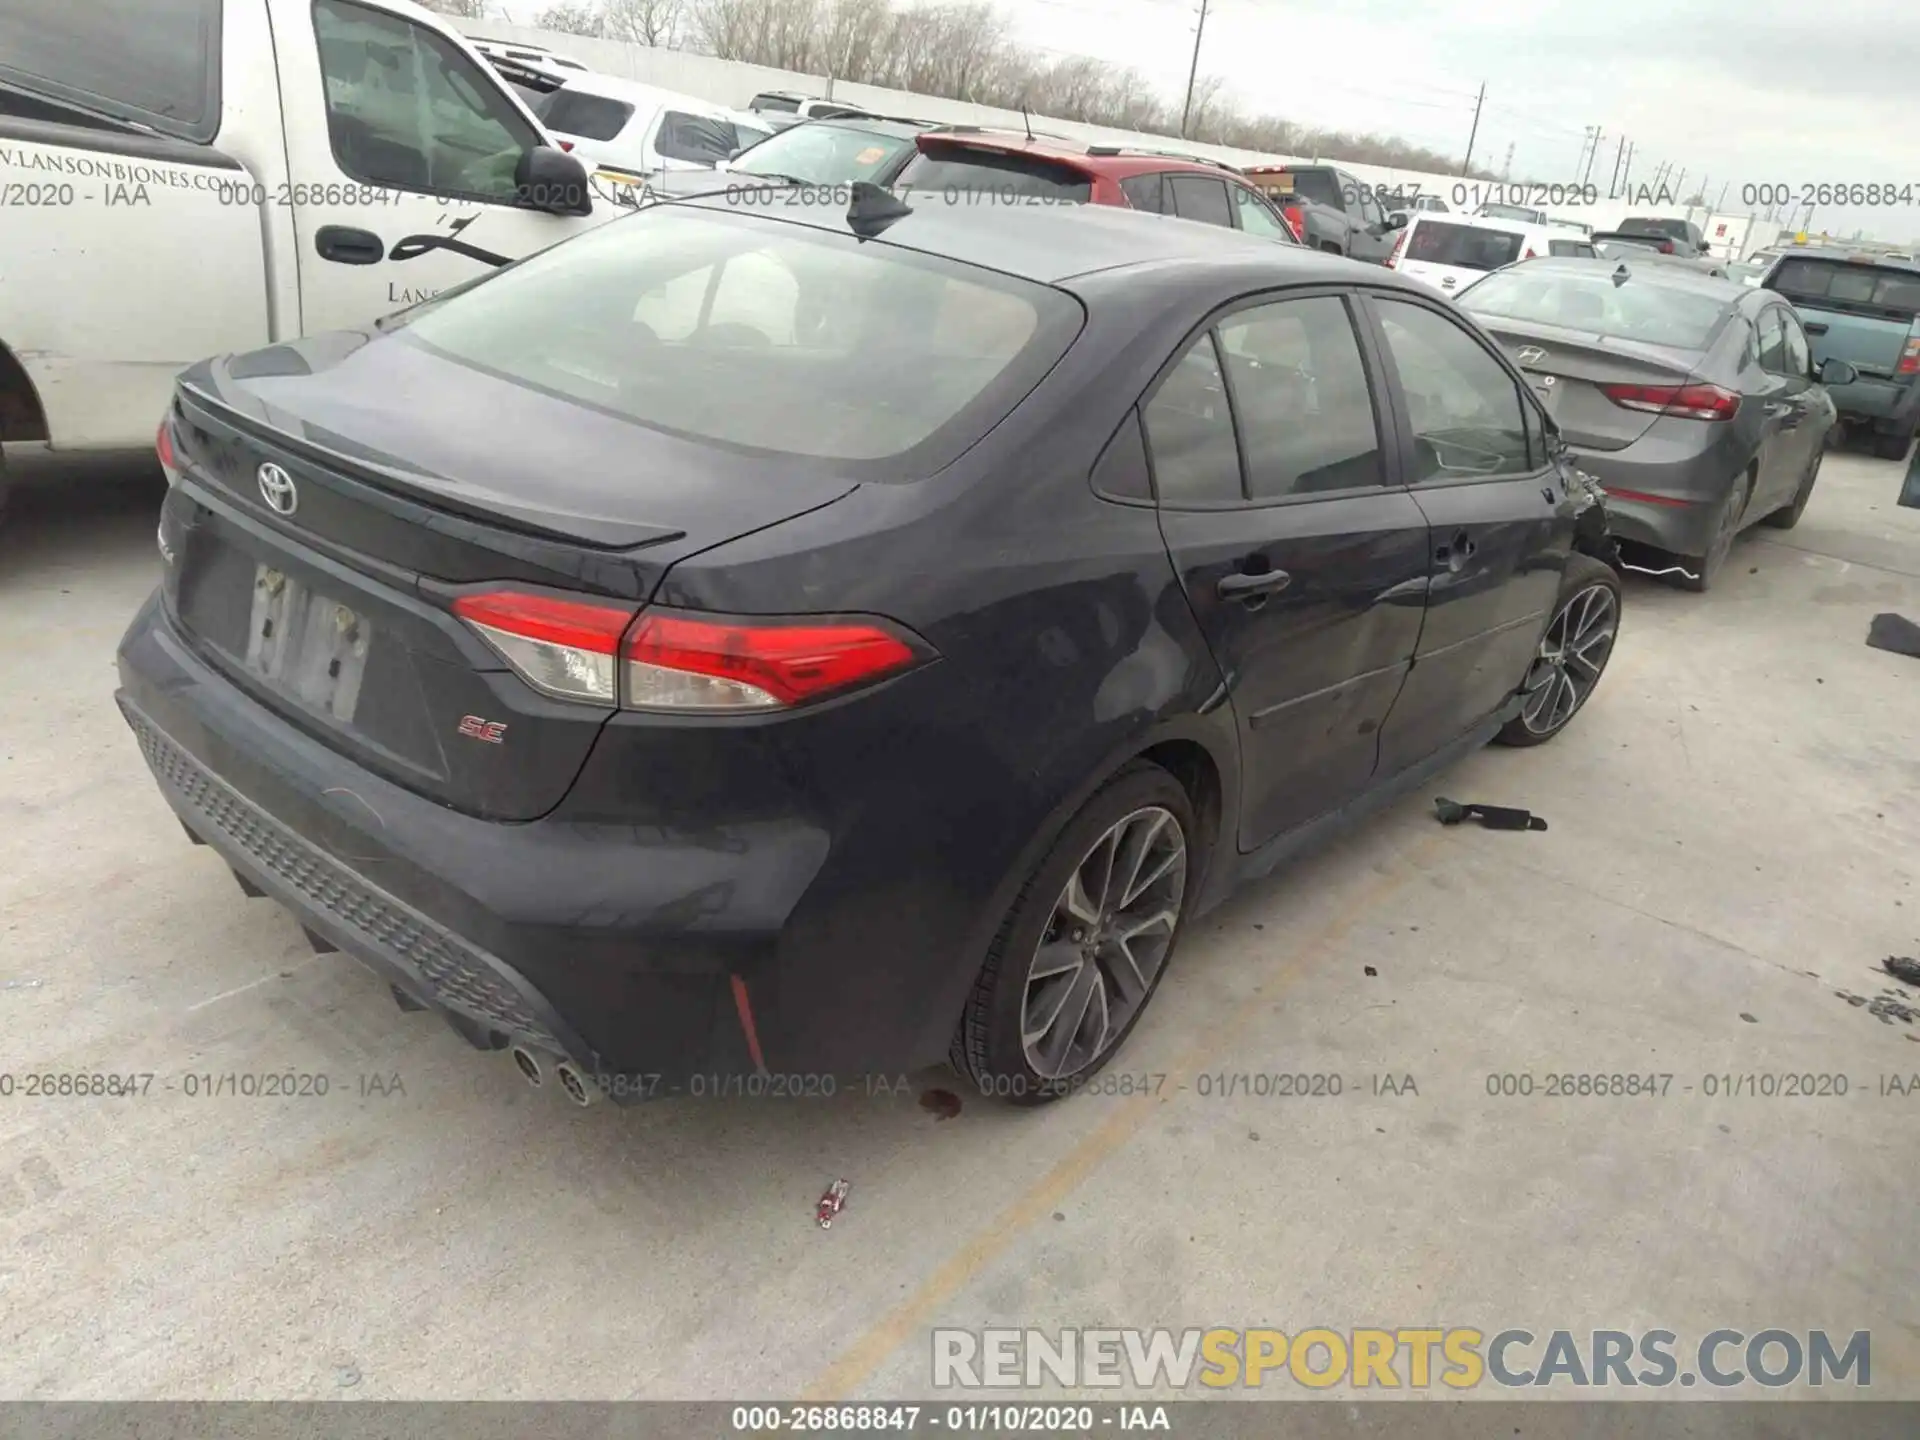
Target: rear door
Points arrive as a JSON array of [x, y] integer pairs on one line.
[[1787, 395], [1473, 448], [402, 149], [1370, 240], [1304, 562]]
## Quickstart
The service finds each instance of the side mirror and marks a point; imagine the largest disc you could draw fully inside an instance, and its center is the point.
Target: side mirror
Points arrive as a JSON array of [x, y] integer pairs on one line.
[[1838, 372], [554, 181], [1397, 220]]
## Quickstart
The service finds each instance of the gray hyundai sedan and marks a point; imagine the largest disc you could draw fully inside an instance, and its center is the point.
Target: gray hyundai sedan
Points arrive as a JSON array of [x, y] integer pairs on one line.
[[1693, 400]]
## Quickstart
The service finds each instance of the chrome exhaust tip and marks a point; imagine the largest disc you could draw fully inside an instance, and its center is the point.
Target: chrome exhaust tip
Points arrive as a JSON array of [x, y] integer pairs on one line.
[[529, 1066], [575, 1084]]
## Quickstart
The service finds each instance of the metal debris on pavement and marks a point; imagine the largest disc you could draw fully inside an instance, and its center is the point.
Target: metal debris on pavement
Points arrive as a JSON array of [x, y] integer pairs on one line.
[[1903, 968], [1888, 1006], [831, 1203], [1894, 633], [1493, 817]]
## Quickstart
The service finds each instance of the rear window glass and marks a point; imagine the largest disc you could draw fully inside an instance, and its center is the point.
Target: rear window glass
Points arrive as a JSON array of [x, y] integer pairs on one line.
[[1570, 247], [963, 168], [1589, 300], [1315, 185], [1864, 285], [81, 51], [699, 138], [763, 335], [592, 117], [824, 155], [1643, 225], [782, 103], [1509, 212], [1468, 247]]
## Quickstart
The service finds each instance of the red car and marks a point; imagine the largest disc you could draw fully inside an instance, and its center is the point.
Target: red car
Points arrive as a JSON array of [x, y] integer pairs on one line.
[[1046, 169]]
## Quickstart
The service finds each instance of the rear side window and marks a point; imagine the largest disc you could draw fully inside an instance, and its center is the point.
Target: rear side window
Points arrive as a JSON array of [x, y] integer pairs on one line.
[[763, 336], [1257, 217], [1146, 192], [1467, 247], [1196, 460], [153, 61], [1463, 407], [1300, 393], [698, 138], [1202, 198], [968, 169], [592, 117], [1773, 342]]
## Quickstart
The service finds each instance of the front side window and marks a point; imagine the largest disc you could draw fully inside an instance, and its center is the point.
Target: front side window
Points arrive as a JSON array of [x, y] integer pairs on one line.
[[763, 336], [1190, 440], [1301, 396], [408, 111], [1465, 409], [1257, 217]]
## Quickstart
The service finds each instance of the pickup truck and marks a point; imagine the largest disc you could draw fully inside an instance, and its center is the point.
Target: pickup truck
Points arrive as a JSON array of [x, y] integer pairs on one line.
[[242, 172], [1329, 209], [1864, 309]]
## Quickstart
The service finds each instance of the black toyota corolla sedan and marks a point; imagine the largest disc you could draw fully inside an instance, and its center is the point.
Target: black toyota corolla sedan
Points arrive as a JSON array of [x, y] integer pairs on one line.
[[736, 651]]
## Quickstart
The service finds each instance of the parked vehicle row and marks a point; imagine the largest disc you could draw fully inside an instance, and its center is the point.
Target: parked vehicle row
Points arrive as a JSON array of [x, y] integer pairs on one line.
[[851, 636], [1329, 209]]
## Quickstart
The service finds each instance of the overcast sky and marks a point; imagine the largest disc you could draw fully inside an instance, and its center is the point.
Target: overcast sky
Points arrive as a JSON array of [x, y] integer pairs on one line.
[[1735, 92]]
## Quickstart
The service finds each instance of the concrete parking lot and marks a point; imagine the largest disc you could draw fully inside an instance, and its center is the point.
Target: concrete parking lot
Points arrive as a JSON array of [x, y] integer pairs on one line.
[[1734, 827]]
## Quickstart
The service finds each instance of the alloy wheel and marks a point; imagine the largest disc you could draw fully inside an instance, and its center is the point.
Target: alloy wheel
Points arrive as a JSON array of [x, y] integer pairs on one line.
[[1104, 943], [1572, 655]]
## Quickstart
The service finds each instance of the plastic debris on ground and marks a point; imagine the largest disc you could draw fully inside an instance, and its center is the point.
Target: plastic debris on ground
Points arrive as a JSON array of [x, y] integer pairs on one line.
[[1493, 817], [831, 1204]]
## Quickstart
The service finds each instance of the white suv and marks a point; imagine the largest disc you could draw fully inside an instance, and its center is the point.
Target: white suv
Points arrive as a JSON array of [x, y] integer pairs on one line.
[[1450, 252]]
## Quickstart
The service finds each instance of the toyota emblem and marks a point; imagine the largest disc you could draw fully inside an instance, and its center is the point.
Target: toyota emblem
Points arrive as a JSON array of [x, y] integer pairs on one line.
[[1532, 355], [278, 490]]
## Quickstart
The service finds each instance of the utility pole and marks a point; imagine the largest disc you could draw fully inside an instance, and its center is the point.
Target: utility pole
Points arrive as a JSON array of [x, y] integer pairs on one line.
[[1721, 198], [1586, 139], [1619, 146], [1193, 71], [1467, 164], [1506, 170], [1626, 170], [1592, 155], [1681, 188]]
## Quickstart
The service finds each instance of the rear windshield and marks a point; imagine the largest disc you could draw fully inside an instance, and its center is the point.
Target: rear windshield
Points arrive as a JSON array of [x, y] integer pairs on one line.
[[1509, 212], [83, 52], [967, 169], [824, 155], [784, 103], [1867, 287], [592, 117], [1589, 300], [1648, 225], [763, 335], [699, 138], [1469, 247], [1570, 247]]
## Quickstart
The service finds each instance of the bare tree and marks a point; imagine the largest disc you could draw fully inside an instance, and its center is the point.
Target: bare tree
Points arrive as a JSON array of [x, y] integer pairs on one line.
[[644, 22], [570, 20]]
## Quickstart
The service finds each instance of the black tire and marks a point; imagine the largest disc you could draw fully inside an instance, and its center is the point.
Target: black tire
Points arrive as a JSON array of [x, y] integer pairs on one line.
[[989, 1048], [1893, 447], [1544, 713], [1728, 524], [1788, 515]]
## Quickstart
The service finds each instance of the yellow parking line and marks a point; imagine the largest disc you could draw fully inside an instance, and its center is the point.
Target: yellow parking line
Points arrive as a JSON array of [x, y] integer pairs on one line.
[[858, 1363]]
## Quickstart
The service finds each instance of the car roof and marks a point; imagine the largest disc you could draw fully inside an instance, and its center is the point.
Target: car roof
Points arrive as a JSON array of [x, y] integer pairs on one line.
[[611, 87], [1051, 244], [1117, 162]]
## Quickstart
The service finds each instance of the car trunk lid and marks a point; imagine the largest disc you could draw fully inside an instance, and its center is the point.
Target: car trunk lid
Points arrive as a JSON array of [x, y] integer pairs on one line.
[[1569, 368], [318, 568]]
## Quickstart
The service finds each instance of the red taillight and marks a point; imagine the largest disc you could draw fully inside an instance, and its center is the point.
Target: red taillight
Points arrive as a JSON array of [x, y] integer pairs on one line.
[[1666, 247], [672, 661], [1689, 402], [1910, 360], [1296, 220], [679, 662], [1530, 255], [1393, 260], [565, 648], [566, 145], [163, 447]]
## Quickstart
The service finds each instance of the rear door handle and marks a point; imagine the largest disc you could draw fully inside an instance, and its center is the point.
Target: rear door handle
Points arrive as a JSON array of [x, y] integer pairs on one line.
[[1815, 327], [345, 245], [1252, 587]]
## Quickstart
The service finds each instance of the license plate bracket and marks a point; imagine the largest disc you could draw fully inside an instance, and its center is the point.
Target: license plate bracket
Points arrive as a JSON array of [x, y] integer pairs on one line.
[[305, 645]]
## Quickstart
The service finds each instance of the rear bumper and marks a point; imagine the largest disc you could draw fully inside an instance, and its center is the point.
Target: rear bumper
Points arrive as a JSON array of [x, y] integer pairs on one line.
[[1665, 488], [605, 949], [1889, 405]]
